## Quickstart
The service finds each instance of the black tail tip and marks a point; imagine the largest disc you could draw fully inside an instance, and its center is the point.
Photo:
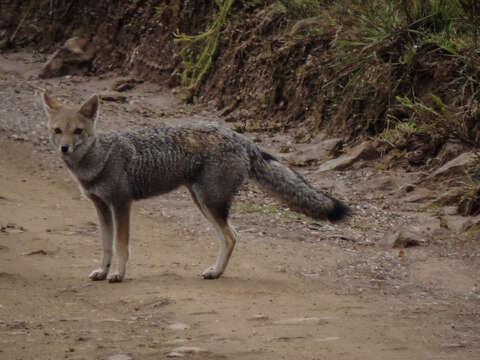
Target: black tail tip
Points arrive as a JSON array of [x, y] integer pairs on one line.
[[339, 211]]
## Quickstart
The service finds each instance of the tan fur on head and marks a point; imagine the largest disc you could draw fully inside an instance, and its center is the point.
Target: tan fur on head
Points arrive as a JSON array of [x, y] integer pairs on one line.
[[70, 127]]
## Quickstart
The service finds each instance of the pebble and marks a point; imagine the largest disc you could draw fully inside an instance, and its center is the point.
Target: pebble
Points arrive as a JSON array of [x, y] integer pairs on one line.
[[302, 320], [120, 357], [179, 326], [259, 317], [187, 350], [174, 354]]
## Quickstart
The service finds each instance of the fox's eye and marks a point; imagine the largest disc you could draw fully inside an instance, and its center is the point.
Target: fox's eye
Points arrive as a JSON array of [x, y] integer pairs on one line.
[[57, 130], [78, 131]]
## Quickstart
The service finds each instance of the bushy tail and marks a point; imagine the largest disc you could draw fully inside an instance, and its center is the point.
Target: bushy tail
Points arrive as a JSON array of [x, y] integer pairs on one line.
[[292, 188]]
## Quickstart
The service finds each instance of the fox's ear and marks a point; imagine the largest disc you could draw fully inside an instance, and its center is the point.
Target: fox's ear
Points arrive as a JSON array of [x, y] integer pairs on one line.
[[89, 109], [50, 105]]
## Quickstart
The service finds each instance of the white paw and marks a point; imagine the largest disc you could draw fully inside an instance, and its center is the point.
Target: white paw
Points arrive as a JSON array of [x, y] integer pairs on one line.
[[211, 273], [98, 274], [115, 277]]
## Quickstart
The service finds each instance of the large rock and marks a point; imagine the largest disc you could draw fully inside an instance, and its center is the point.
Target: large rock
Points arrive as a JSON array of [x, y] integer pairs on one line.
[[363, 151], [315, 151], [459, 165], [74, 57], [461, 224]]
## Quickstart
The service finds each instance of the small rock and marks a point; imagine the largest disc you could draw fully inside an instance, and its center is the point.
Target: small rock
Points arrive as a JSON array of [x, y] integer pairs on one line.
[[310, 153], [73, 57], [450, 197], [364, 151], [120, 357], [11, 229], [36, 252], [124, 85], [401, 239], [108, 96], [188, 350], [299, 321], [259, 317], [461, 224], [449, 152], [329, 338], [179, 326], [174, 354], [450, 210], [383, 183], [419, 195]]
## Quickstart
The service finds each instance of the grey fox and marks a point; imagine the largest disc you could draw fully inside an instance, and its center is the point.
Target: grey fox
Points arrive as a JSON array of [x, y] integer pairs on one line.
[[113, 169]]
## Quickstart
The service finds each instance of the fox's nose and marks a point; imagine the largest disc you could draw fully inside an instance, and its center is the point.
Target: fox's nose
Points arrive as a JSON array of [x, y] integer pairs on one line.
[[64, 148]]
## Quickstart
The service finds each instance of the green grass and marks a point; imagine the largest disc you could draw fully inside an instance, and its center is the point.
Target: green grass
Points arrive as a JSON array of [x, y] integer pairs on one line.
[[198, 51], [251, 208], [302, 9], [255, 208]]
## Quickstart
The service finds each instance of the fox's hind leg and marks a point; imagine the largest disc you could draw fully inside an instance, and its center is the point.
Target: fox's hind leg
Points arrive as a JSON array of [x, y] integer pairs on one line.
[[106, 224], [216, 211]]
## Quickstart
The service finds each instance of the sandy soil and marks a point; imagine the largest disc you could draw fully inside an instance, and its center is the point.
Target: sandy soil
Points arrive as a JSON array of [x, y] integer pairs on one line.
[[295, 289]]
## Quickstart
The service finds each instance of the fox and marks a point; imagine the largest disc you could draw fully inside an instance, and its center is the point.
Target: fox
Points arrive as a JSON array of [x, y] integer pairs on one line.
[[114, 169]]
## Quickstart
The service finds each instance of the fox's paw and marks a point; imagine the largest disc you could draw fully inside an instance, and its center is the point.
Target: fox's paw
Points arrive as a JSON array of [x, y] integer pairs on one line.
[[98, 275], [211, 273], [115, 277]]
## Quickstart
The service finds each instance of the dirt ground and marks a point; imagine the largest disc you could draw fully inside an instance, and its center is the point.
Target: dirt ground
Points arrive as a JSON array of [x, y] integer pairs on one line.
[[295, 289]]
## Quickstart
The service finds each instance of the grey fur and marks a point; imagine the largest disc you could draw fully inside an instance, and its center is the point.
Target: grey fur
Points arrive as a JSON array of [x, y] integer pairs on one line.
[[114, 169], [142, 164]]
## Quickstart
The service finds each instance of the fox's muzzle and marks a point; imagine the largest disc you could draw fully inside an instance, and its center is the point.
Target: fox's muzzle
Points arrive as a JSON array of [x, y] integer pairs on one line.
[[64, 148]]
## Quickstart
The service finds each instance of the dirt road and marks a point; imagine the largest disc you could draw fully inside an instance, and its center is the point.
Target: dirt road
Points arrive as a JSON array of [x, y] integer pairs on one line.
[[295, 289]]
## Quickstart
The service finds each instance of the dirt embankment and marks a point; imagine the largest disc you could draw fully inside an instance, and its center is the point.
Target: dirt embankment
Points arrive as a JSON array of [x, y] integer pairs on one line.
[[126, 36], [274, 77]]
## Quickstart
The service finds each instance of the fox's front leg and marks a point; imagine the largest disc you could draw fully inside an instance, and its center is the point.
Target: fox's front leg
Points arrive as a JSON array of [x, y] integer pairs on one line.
[[121, 217], [106, 224]]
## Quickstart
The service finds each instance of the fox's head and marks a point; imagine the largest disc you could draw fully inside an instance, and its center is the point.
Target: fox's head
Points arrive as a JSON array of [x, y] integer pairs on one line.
[[71, 129]]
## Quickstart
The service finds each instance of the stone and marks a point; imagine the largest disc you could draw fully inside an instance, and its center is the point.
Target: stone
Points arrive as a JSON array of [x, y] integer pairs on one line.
[[450, 197], [450, 151], [120, 357], [110, 96], [74, 57], [313, 152], [401, 239], [418, 195], [302, 320], [258, 317], [124, 85], [383, 183], [179, 326], [363, 151], [461, 224], [459, 165], [188, 350], [173, 354]]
